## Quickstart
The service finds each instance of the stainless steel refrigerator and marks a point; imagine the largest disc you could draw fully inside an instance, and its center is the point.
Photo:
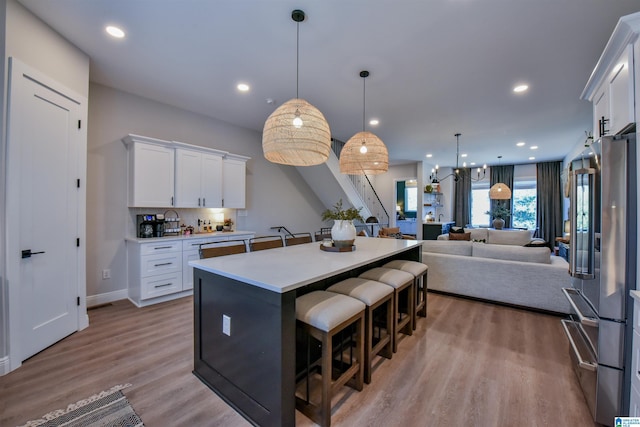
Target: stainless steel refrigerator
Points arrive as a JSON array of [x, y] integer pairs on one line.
[[603, 244]]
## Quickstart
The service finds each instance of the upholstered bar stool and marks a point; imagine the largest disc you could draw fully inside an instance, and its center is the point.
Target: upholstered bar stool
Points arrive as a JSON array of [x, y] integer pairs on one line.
[[323, 316], [378, 298], [419, 271], [402, 284]]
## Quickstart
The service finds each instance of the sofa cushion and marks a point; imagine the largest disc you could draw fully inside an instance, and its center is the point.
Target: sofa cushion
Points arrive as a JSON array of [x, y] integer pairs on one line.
[[512, 253], [450, 247], [460, 236], [477, 233], [509, 237]]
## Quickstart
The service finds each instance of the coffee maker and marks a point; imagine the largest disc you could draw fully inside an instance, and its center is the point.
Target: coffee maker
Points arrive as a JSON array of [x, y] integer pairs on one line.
[[150, 225]]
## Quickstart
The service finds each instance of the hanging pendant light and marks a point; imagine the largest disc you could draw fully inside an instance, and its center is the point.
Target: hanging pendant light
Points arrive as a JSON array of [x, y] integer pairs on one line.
[[296, 133], [499, 191], [364, 153]]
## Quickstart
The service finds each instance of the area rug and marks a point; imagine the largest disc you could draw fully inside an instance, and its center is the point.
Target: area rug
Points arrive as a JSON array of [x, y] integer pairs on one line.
[[106, 409]]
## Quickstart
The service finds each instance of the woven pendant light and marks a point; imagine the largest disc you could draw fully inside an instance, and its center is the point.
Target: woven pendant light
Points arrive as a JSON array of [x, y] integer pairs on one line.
[[364, 153], [296, 133], [499, 191]]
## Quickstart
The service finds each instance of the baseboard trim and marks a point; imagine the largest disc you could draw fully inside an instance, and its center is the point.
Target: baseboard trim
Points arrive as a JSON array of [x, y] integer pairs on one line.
[[108, 297], [5, 366]]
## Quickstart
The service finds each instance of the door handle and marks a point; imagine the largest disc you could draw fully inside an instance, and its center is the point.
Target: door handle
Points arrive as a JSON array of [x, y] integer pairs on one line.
[[27, 253]]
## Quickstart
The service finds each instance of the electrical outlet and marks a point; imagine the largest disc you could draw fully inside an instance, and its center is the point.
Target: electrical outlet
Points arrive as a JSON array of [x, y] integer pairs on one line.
[[226, 325], [106, 274]]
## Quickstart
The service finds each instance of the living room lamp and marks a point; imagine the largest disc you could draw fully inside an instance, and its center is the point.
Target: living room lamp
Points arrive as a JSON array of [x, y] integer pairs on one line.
[[296, 133], [364, 153], [499, 191]]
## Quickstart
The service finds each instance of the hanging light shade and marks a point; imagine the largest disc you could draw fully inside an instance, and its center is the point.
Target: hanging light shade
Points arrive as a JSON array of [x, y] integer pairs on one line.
[[499, 191], [364, 153], [296, 133]]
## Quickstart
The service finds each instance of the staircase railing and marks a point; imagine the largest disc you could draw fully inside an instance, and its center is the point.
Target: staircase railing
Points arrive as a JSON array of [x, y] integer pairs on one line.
[[365, 189]]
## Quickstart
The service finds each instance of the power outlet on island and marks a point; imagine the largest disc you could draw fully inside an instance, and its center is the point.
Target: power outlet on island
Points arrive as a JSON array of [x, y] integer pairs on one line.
[[226, 325], [106, 274]]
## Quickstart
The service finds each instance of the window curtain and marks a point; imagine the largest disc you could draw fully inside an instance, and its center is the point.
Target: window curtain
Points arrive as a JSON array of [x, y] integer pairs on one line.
[[462, 196], [549, 201], [503, 174]]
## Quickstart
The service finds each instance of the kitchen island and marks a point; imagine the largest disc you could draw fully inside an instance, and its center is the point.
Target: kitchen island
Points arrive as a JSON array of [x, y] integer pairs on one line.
[[244, 318]]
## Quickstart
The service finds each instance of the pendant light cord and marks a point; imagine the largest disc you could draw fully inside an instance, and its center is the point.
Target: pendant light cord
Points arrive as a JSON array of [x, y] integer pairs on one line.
[[364, 98], [297, 56]]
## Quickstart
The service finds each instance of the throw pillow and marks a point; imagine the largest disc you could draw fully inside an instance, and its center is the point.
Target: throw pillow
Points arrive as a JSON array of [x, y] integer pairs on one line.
[[460, 236], [458, 230], [395, 235]]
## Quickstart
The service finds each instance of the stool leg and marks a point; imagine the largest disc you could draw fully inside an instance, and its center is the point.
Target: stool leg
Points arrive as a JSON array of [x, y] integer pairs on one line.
[[327, 359]]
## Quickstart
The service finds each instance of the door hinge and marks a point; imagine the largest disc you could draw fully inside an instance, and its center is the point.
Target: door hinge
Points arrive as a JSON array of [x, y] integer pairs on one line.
[[78, 242], [79, 124], [78, 301], [78, 182]]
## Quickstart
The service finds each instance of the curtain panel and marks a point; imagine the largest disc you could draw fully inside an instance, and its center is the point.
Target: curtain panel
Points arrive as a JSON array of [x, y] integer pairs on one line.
[[549, 201], [462, 198], [502, 174]]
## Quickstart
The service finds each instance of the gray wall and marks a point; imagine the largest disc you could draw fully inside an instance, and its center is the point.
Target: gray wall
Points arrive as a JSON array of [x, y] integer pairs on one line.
[[276, 195], [27, 38]]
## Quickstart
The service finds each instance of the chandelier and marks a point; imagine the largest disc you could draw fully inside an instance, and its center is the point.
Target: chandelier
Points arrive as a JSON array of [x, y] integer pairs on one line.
[[456, 172]]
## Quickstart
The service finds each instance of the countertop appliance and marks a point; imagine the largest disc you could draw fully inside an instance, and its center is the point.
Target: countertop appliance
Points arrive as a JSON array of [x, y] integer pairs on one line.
[[602, 265], [150, 225]]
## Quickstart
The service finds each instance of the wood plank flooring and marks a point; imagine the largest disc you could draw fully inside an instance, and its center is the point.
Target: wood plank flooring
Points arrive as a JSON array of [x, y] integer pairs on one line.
[[469, 363]]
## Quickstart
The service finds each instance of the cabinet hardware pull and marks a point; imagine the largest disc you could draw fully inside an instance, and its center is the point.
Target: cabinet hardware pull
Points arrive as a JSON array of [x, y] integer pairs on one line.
[[27, 253], [161, 264], [162, 247], [162, 286], [204, 203], [171, 200], [198, 201]]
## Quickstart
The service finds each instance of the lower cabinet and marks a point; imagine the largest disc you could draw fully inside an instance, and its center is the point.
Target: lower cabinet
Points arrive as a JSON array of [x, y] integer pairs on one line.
[[159, 271], [634, 398]]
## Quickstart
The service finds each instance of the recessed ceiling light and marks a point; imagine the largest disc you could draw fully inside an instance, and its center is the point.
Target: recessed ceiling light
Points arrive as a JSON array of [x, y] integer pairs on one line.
[[472, 163], [520, 144], [532, 158], [463, 155], [243, 87], [533, 147], [520, 88], [429, 155], [114, 32], [374, 122]]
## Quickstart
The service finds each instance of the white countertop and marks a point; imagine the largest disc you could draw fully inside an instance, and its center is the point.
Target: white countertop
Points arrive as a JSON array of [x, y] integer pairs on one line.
[[284, 269], [635, 295], [190, 236]]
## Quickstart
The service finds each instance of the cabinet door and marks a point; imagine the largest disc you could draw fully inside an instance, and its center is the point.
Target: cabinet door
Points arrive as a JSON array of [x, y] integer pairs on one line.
[[621, 92], [211, 180], [151, 176], [234, 183], [188, 178], [600, 110]]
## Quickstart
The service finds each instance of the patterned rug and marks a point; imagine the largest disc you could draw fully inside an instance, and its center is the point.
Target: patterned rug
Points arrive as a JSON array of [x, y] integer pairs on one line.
[[106, 409]]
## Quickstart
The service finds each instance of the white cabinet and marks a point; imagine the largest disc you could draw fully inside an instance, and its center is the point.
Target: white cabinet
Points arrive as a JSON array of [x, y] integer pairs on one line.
[[155, 270], [159, 270], [198, 178], [234, 181], [151, 172], [634, 400], [611, 86]]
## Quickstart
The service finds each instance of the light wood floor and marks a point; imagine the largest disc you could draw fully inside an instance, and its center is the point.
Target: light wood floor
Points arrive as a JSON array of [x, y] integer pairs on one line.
[[469, 363]]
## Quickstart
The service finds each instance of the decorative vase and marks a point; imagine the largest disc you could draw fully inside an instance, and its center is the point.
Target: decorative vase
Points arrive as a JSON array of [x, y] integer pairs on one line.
[[343, 233], [498, 223]]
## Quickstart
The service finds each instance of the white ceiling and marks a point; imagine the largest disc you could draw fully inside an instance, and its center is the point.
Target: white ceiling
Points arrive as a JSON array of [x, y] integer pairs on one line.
[[437, 67]]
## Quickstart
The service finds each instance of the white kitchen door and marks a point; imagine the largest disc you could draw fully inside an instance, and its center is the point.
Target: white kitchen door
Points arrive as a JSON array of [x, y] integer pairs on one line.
[[44, 211]]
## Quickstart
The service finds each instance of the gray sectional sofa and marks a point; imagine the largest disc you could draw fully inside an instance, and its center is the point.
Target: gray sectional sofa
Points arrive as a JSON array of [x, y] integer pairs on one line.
[[498, 267]]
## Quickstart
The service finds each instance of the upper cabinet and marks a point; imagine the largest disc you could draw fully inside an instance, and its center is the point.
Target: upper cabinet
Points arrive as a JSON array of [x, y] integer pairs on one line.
[[234, 181], [174, 174], [611, 86], [198, 178], [151, 172]]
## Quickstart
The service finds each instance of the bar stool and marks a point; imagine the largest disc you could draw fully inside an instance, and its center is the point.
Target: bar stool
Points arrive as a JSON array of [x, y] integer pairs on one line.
[[419, 271], [378, 298], [323, 315], [402, 283]]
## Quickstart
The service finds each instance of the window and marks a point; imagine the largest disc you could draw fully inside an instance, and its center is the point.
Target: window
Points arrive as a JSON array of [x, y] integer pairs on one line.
[[411, 199], [524, 198], [524, 210]]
